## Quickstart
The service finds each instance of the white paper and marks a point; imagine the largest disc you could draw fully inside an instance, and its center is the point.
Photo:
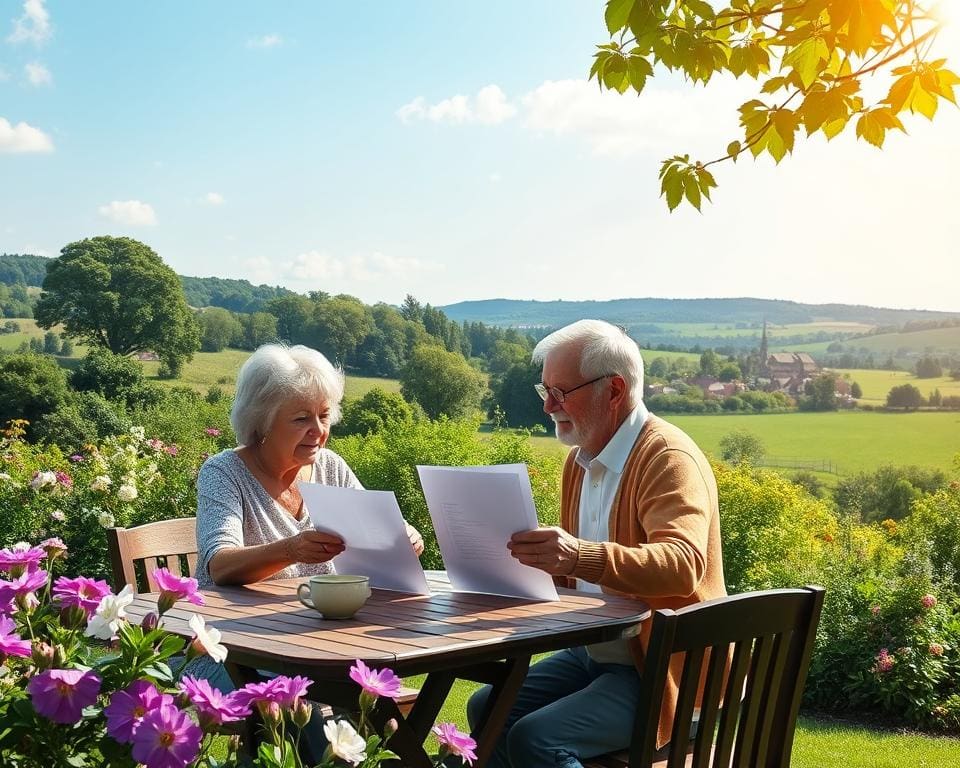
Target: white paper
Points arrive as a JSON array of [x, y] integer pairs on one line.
[[373, 530], [475, 511]]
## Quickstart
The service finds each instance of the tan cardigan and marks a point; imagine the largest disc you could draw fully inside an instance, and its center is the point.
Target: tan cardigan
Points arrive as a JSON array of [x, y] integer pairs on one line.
[[664, 537]]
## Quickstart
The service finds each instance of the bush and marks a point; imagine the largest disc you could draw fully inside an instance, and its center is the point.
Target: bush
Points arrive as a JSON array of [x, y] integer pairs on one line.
[[886, 493], [741, 446], [374, 412], [31, 386]]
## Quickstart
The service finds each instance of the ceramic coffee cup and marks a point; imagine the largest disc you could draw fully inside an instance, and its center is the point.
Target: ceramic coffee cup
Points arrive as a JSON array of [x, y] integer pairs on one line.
[[335, 595]]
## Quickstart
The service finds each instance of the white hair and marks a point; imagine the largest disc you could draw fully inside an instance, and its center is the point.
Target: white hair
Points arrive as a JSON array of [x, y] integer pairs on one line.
[[604, 349], [275, 374]]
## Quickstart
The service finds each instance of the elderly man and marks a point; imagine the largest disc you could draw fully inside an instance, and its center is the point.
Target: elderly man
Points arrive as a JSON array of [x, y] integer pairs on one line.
[[639, 518]]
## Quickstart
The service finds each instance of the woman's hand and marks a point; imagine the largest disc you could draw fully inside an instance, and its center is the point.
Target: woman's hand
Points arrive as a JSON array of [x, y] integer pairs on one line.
[[416, 540], [313, 547]]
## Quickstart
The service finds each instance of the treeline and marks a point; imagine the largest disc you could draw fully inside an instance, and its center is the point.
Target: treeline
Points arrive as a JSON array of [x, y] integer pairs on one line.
[[235, 295], [15, 301]]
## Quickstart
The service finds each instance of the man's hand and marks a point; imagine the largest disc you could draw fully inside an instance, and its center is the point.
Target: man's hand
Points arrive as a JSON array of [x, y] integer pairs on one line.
[[550, 549]]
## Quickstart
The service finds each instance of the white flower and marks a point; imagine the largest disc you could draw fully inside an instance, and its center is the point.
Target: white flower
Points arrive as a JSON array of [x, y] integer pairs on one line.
[[58, 515], [106, 520], [207, 639], [101, 483], [345, 742], [111, 611], [138, 433], [4, 476], [41, 479], [127, 492]]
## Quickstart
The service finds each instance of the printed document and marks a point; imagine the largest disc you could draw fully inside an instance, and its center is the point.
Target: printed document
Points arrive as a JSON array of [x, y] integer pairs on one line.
[[372, 528], [475, 511]]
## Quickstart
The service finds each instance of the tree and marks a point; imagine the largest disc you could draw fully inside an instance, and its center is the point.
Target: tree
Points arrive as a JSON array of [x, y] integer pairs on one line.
[[339, 326], [373, 412], [218, 327], [116, 293], [855, 391], [741, 446], [30, 387], [730, 372], [904, 396], [515, 396], [258, 328], [51, 343], [929, 368], [442, 382], [709, 363], [887, 492], [820, 393], [820, 50]]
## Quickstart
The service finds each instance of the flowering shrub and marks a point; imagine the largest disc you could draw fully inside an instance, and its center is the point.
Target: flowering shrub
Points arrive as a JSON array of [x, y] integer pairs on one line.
[[64, 701], [126, 480]]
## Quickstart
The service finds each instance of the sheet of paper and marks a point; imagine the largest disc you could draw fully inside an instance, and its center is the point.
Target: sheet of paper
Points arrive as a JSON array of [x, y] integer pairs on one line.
[[371, 526], [475, 511]]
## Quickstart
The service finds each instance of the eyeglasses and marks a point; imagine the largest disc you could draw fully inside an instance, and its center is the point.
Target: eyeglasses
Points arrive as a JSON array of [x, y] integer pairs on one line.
[[558, 394]]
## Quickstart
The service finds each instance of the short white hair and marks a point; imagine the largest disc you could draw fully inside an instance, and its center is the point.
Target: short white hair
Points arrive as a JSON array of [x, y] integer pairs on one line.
[[605, 349], [275, 374]]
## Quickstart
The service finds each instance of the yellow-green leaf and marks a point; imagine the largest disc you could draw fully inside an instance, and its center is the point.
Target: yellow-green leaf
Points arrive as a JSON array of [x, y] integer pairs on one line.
[[733, 149], [617, 13], [869, 129], [692, 190], [808, 58], [672, 187]]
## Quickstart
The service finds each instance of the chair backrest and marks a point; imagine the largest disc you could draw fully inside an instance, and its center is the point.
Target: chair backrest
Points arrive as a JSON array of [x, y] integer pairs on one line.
[[749, 654], [150, 544]]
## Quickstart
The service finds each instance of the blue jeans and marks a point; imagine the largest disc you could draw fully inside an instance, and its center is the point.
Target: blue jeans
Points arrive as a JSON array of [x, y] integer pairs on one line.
[[569, 708]]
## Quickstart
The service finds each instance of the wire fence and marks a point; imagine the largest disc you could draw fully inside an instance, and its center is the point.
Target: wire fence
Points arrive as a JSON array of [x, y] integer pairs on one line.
[[793, 462]]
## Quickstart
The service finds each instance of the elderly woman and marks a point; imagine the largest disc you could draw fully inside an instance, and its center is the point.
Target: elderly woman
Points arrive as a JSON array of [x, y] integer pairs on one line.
[[251, 520]]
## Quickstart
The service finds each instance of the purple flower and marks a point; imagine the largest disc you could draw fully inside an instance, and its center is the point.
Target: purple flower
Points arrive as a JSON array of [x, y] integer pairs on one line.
[[82, 592], [22, 588], [166, 738], [11, 644], [61, 694], [76, 458], [212, 431], [128, 707], [64, 479], [212, 705], [20, 557], [928, 601], [376, 682], [280, 690], [172, 449], [455, 742], [173, 588]]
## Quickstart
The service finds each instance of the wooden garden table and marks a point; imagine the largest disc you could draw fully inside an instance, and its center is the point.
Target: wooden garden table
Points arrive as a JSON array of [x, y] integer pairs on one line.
[[447, 635]]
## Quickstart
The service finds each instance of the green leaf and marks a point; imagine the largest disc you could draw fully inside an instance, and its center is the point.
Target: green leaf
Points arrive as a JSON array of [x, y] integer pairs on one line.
[[617, 13], [672, 187], [733, 149], [638, 70], [701, 8], [692, 190], [705, 180], [808, 58], [615, 74]]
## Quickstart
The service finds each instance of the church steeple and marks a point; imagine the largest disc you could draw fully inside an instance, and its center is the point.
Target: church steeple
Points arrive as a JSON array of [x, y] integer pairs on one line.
[[764, 353]]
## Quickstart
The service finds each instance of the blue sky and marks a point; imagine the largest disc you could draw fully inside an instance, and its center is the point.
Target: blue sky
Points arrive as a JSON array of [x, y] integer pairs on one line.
[[449, 150]]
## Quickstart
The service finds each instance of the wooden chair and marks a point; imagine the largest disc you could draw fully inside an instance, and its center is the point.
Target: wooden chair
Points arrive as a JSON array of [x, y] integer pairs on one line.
[[164, 543], [759, 644]]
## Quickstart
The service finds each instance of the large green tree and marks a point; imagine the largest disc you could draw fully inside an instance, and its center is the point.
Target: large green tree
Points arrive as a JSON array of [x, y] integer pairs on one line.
[[116, 293], [442, 382], [812, 55]]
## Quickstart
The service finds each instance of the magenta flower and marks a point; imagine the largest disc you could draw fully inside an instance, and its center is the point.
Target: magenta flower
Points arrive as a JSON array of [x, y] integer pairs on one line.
[[82, 592], [173, 588], [76, 458], [884, 662], [166, 738], [376, 682], [455, 742], [212, 431], [20, 557], [54, 547], [128, 707], [172, 449], [22, 588], [155, 443], [11, 644], [213, 707], [928, 601], [64, 479], [935, 649], [61, 694], [280, 690]]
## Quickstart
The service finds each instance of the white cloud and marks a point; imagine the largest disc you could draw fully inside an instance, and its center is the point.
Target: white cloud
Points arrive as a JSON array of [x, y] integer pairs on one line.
[[22, 138], [38, 74], [317, 268], [489, 107], [265, 41], [495, 177], [213, 198], [129, 212], [33, 25]]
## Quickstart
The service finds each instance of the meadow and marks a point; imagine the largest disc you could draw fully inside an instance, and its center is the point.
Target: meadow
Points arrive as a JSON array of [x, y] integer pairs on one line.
[[901, 346], [730, 330], [876, 384]]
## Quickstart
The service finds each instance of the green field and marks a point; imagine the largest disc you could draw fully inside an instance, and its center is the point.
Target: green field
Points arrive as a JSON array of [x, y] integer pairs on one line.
[[730, 330], [854, 441], [899, 345], [876, 384], [653, 354]]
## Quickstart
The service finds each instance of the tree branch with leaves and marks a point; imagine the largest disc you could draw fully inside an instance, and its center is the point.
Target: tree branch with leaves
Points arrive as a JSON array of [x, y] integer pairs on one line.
[[812, 56]]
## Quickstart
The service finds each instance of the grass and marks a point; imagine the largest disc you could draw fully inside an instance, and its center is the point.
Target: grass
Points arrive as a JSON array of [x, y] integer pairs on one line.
[[854, 440], [876, 384], [728, 330], [900, 345]]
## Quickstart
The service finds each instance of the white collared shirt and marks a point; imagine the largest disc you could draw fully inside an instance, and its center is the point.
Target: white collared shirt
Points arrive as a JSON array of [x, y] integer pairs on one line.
[[601, 479]]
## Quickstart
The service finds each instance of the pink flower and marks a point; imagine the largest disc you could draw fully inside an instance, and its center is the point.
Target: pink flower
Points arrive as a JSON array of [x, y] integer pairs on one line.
[[11, 644], [884, 662], [156, 444], [22, 588], [82, 592], [173, 588], [20, 557], [172, 449], [280, 690], [166, 738], [875, 610], [128, 707], [928, 601], [212, 431], [455, 742], [377, 683], [936, 649], [54, 547], [61, 694], [76, 458], [64, 479], [58, 515], [213, 707]]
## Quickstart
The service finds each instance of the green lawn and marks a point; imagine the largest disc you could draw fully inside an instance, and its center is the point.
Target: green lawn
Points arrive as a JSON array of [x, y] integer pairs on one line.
[[935, 340], [854, 440], [876, 384]]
